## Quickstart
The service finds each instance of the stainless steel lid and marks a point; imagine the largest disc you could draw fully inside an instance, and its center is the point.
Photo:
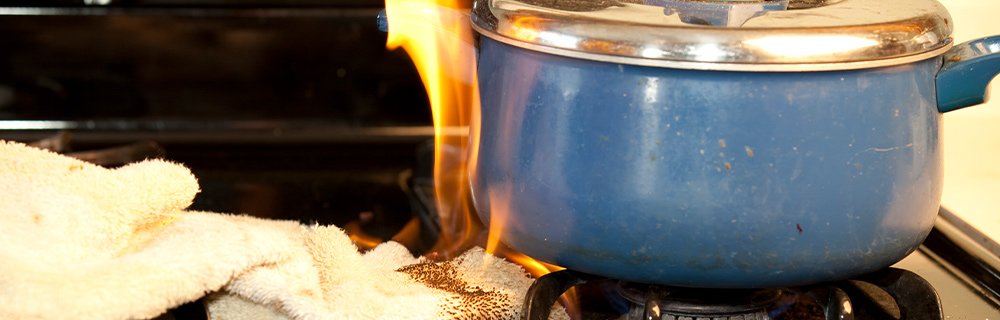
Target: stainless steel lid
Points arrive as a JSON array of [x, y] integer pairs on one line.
[[769, 35]]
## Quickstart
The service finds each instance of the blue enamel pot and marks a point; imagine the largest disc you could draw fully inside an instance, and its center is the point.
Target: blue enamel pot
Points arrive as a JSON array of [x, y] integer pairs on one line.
[[716, 178]]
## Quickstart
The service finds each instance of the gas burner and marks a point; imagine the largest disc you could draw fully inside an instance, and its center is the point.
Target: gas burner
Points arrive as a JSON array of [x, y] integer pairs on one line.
[[886, 294], [677, 303]]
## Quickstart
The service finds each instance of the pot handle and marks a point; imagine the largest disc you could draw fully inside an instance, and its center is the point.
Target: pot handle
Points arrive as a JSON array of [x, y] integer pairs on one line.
[[964, 78]]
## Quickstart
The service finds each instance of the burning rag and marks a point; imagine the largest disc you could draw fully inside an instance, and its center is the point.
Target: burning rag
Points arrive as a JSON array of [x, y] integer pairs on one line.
[[79, 241]]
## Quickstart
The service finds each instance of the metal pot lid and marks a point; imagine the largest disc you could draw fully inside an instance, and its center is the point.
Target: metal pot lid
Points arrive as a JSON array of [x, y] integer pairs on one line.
[[769, 35]]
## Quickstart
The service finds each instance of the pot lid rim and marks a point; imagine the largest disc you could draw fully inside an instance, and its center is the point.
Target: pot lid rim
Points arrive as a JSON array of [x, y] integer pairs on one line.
[[766, 43]]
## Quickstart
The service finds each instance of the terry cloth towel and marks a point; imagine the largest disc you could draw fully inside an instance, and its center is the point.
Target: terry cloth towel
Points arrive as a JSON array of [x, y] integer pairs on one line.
[[79, 241]]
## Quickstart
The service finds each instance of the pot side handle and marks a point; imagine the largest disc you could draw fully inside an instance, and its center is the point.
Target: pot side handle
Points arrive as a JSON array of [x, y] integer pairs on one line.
[[964, 78]]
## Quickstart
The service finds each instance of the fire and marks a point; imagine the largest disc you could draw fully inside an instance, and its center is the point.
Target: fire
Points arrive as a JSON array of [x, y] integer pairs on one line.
[[535, 268], [439, 39]]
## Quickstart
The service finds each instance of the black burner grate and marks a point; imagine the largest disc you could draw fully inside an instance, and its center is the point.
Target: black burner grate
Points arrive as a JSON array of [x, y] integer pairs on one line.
[[886, 294]]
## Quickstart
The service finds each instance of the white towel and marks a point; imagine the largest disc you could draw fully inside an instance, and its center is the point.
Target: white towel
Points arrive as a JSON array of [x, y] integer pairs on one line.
[[79, 241]]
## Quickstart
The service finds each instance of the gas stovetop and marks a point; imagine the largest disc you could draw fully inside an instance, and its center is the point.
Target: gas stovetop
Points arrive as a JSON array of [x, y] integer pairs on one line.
[[295, 110]]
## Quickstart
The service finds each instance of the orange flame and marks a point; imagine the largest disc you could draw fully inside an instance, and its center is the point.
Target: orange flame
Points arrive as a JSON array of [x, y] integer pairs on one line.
[[439, 39]]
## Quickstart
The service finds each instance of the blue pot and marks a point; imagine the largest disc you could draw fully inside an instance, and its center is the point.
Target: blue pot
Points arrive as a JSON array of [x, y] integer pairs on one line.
[[716, 178]]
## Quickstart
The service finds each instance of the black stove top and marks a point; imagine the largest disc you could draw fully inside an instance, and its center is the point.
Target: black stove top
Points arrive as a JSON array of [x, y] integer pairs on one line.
[[891, 293]]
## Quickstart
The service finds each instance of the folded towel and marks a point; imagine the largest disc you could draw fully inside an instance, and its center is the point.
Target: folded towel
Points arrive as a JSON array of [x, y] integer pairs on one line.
[[79, 241]]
